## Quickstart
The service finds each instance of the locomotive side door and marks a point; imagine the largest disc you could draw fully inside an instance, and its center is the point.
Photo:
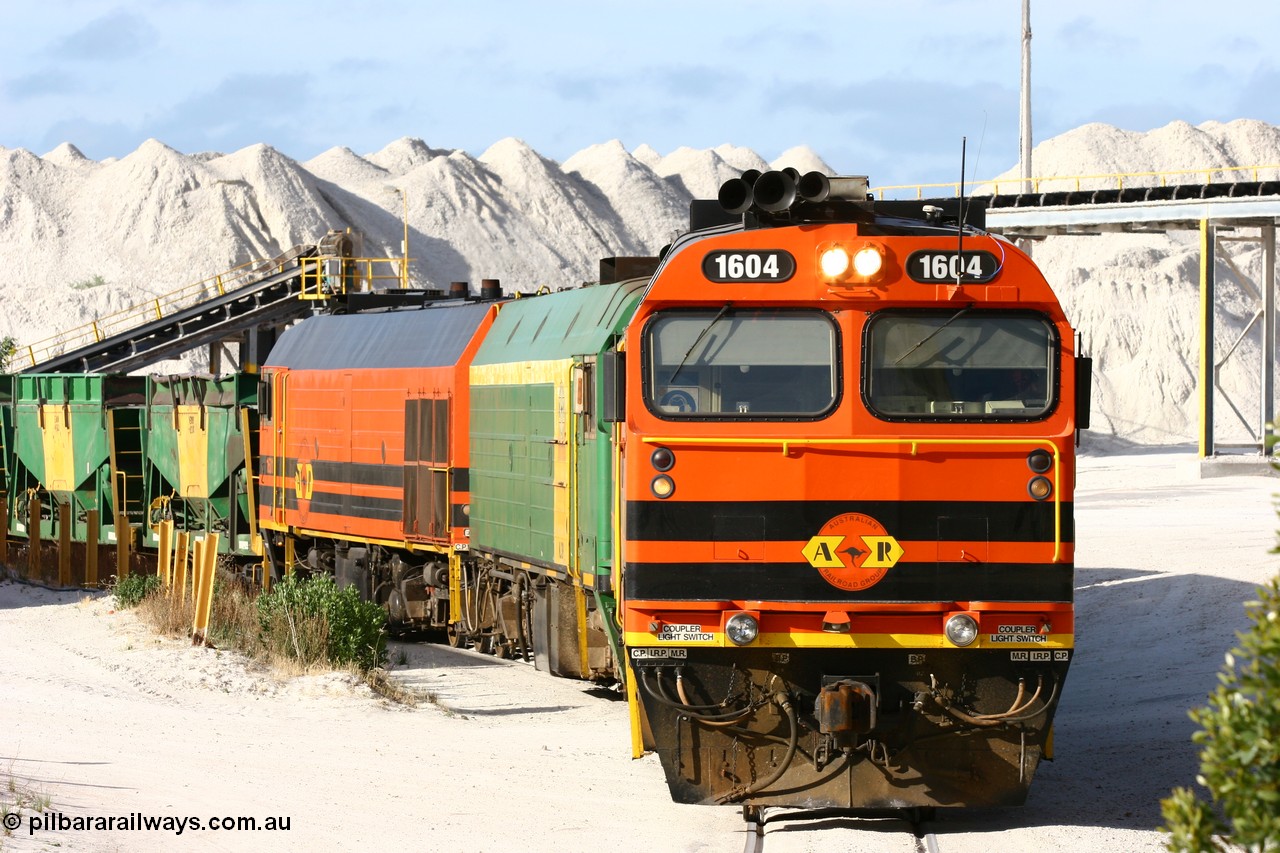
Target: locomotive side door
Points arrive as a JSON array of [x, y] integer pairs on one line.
[[279, 435], [587, 493]]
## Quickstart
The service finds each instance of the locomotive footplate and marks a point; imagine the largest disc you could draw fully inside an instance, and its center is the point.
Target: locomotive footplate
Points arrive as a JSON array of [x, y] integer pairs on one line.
[[860, 729]]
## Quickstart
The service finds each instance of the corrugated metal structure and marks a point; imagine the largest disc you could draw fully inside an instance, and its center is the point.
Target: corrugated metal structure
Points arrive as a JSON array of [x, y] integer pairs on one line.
[[425, 337], [538, 462]]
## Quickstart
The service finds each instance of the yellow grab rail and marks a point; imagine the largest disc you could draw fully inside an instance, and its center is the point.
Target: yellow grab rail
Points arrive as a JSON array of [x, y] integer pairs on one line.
[[787, 443]]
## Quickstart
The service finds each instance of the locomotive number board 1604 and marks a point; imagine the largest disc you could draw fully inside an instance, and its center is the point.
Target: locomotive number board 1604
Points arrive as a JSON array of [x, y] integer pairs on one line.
[[768, 266], [929, 266]]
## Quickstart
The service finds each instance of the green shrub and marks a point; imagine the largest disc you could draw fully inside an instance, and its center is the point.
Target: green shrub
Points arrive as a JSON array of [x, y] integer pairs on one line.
[[86, 284], [129, 591], [8, 349], [312, 620], [1240, 746]]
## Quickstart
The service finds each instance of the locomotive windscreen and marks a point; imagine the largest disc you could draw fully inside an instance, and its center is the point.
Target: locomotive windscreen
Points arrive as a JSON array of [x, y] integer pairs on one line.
[[960, 364], [742, 364]]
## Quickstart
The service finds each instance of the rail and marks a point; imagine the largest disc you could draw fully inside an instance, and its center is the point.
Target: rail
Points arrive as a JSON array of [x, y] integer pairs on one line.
[[1116, 180]]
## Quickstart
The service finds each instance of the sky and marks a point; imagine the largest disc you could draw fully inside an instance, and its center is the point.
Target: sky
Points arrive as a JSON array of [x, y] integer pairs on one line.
[[886, 88]]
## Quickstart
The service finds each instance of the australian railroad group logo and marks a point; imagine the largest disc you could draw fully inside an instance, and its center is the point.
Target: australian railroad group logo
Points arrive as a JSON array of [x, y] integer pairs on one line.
[[852, 551]]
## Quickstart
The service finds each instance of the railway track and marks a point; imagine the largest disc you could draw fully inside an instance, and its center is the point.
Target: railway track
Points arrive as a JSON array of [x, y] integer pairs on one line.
[[874, 828]]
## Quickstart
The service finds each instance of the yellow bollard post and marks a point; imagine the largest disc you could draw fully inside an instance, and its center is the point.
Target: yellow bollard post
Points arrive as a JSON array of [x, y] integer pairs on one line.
[[208, 551], [197, 556], [164, 553], [124, 537], [64, 544], [180, 567], [91, 549]]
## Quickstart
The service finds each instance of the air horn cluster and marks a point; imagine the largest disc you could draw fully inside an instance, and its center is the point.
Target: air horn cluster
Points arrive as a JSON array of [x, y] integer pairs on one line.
[[776, 191]]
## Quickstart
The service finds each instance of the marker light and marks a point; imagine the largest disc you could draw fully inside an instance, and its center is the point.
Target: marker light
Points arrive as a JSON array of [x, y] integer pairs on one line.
[[1039, 488], [1039, 461], [961, 629], [662, 486], [867, 262], [834, 262], [662, 459], [741, 628]]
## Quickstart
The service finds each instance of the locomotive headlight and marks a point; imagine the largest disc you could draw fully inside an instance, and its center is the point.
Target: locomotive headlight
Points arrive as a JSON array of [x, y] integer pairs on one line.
[[1039, 461], [742, 628], [834, 262], [867, 262], [961, 629]]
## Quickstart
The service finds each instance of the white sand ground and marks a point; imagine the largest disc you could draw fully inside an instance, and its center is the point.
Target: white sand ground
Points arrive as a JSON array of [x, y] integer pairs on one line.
[[99, 718]]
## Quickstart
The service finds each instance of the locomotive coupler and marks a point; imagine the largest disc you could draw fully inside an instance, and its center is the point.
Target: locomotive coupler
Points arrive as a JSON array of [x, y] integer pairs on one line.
[[845, 708]]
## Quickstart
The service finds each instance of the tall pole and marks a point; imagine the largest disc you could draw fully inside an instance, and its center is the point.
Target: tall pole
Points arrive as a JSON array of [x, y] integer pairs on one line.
[[404, 246], [1025, 112]]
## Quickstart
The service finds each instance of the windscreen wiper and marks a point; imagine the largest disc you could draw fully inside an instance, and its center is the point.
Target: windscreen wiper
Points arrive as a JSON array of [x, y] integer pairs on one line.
[[932, 334], [716, 319]]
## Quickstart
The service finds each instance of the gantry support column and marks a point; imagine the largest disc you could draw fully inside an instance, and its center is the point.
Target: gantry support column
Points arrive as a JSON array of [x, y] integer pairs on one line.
[[1268, 330], [1206, 338]]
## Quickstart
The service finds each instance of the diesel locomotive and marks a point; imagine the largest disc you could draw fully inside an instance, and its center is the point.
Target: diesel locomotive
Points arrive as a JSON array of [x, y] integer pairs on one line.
[[802, 485]]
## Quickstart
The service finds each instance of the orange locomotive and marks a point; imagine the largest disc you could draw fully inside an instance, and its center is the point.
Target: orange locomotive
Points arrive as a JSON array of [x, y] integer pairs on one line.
[[846, 511], [363, 451]]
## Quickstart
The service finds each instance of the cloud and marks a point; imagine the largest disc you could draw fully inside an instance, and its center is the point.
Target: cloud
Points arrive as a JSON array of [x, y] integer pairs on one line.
[[243, 109], [914, 113], [113, 37], [666, 84], [1085, 36], [359, 65], [1258, 97], [40, 84], [691, 82], [588, 88]]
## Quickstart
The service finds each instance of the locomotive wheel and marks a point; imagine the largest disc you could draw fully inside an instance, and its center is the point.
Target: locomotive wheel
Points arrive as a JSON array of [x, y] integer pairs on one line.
[[522, 648], [456, 636]]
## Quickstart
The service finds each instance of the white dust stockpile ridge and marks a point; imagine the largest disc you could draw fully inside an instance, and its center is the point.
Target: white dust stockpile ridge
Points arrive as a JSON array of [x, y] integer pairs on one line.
[[83, 239]]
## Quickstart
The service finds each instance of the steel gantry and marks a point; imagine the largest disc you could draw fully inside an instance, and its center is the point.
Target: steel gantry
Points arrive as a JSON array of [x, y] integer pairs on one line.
[[1212, 209]]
